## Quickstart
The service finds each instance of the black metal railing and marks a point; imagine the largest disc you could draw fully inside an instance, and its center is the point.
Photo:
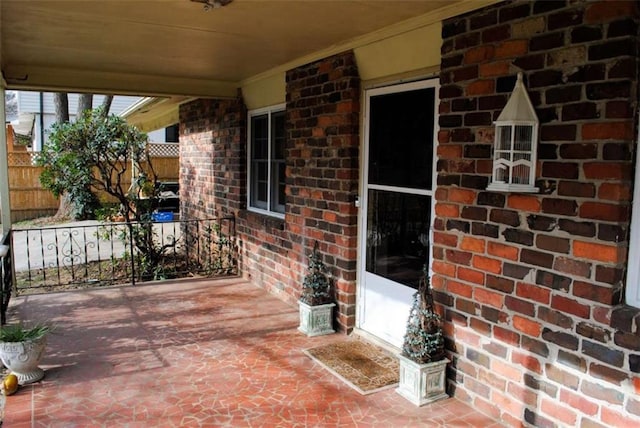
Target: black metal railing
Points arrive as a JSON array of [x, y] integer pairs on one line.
[[6, 275], [102, 254]]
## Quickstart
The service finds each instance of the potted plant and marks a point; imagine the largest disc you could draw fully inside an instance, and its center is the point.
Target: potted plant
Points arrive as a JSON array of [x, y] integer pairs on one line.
[[22, 348], [423, 361], [316, 303]]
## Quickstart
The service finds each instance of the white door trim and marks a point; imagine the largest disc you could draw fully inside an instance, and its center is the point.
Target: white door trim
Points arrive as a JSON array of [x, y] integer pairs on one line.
[[364, 186]]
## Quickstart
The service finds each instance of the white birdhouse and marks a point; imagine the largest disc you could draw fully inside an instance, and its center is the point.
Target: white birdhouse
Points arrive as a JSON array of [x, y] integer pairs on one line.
[[515, 145]]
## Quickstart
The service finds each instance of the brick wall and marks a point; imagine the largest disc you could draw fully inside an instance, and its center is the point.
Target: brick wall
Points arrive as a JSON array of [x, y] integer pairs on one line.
[[322, 120], [212, 158], [529, 283], [322, 115]]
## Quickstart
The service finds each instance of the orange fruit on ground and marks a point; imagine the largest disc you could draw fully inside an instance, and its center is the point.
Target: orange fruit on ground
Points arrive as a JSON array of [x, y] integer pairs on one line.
[[10, 384]]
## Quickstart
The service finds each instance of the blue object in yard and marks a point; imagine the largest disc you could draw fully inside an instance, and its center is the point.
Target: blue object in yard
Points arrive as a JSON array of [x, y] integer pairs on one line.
[[162, 216]]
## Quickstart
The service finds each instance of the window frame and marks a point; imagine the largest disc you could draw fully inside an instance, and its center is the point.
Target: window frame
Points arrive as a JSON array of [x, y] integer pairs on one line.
[[632, 287], [269, 112]]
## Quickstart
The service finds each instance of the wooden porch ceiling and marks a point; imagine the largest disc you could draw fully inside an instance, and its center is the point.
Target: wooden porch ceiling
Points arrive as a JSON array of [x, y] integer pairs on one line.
[[175, 47]]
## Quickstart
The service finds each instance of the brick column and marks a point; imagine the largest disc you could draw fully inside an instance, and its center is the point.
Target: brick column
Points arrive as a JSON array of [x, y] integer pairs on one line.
[[212, 158], [323, 110], [322, 120]]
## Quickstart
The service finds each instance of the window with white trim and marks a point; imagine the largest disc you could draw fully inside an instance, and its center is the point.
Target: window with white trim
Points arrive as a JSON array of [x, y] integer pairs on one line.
[[266, 182]]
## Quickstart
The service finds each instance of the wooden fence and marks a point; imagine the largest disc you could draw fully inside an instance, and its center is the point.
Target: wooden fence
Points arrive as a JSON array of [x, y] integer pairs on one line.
[[29, 200]]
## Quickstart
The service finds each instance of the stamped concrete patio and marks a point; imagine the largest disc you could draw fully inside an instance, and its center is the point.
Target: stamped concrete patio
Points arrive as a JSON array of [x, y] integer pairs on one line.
[[195, 354]]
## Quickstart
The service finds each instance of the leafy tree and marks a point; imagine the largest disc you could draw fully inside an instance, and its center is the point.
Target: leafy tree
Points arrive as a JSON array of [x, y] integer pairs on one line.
[[10, 105], [61, 104], [89, 155], [69, 207]]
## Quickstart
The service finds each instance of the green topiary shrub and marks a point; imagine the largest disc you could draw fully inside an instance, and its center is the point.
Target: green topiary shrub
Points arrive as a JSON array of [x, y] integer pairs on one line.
[[316, 287], [423, 340]]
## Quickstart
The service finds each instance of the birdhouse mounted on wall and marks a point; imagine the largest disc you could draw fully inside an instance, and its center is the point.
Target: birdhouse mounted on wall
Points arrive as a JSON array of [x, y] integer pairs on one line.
[[515, 144]]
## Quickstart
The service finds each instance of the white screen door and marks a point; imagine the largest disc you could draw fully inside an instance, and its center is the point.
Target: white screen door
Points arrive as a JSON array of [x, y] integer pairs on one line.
[[397, 204]]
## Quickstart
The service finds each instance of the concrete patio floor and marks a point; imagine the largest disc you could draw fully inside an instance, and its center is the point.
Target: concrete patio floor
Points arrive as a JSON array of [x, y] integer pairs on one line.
[[212, 353]]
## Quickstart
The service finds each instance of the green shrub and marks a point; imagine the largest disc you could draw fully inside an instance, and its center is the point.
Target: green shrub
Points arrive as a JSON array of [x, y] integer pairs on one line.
[[20, 333]]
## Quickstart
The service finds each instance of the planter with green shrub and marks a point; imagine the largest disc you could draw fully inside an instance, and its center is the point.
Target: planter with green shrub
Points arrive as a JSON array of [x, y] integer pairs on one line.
[[316, 302], [22, 348], [423, 360]]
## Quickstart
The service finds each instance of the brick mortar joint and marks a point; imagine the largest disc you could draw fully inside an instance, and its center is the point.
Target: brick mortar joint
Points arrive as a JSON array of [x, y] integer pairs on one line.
[[628, 319]]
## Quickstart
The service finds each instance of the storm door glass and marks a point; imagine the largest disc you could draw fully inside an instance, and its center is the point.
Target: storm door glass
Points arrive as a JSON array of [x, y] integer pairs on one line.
[[397, 204], [400, 139], [399, 186], [398, 235]]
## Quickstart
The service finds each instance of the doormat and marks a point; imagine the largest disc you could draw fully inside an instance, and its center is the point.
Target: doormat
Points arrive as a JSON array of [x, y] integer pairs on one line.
[[361, 365]]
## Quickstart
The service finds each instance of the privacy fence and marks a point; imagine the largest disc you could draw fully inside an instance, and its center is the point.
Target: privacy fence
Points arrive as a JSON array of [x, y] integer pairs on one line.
[[29, 200]]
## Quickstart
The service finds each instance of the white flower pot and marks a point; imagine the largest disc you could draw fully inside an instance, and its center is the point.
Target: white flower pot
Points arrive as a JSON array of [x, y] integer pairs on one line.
[[22, 358], [316, 320], [422, 383]]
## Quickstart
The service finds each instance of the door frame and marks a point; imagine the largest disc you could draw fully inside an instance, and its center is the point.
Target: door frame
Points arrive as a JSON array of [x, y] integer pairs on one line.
[[367, 93]]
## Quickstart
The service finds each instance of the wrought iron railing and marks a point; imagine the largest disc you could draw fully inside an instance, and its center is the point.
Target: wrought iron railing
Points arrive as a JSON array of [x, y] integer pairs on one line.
[[102, 254], [6, 276]]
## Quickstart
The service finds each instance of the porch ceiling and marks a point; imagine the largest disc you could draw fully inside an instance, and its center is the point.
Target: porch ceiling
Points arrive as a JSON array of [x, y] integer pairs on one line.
[[175, 47]]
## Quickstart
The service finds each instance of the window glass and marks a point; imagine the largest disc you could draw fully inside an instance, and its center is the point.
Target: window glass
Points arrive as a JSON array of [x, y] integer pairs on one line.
[[172, 133], [260, 137], [267, 163], [277, 133]]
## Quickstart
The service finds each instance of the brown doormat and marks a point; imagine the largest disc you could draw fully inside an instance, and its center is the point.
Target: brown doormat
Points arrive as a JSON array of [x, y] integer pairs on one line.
[[363, 366]]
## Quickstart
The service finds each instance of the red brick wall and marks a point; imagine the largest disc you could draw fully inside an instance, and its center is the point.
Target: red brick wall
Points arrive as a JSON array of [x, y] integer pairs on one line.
[[322, 115], [212, 158], [529, 283], [322, 119]]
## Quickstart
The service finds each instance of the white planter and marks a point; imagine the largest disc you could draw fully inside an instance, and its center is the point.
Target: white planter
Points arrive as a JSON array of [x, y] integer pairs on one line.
[[316, 320], [422, 383], [22, 358]]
